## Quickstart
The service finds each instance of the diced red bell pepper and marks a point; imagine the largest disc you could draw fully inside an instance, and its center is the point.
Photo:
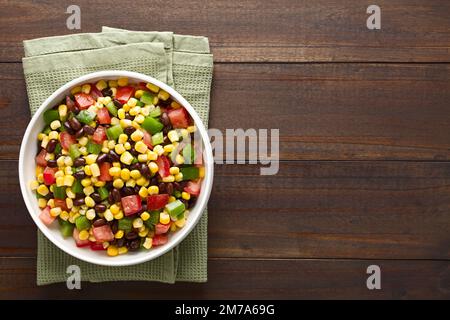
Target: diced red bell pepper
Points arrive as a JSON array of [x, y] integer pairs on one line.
[[103, 233], [103, 116], [99, 135], [131, 205], [104, 172], [49, 175], [160, 239], [148, 140], [45, 216], [66, 140], [80, 243], [61, 203], [96, 246], [157, 201], [83, 100], [193, 187], [179, 118], [162, 228], [124, 94], [95, 93], [40, 158], [163, 166], [142, 86]]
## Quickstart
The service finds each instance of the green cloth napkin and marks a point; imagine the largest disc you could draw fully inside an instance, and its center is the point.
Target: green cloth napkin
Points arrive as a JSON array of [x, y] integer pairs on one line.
[[183, 62]]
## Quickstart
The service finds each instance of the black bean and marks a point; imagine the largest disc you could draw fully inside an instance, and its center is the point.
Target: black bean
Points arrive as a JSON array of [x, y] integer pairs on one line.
[[79, 175], [165, 119], [102, 158], [99, 222], [186, 204], [51, 145], [134, 152], [96, 197], [134, 245], [78, 202], [117, 103], [68, 128], [136, 189], [120, 242], [116, 195], [129, 130], [144, 207], [131, 235], [135, 166], [107, 92], [114, 226], [144, 170], [169, 188], [76, 110], [111, 199], [177, 186], [154, 181], [79, 195], [79, 162], [75, 124], [129, 117], [79, 133], [49, 196], [162, 187], [128, 191], [100, 208], [114, 157], [88, 130], [52, 163]]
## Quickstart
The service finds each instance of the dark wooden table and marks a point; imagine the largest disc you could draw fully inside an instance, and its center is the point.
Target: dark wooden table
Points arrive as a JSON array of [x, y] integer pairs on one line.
[[364, 120]]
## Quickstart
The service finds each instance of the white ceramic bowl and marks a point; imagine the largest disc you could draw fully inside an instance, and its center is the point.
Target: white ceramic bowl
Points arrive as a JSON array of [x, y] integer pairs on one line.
[[28, 150]]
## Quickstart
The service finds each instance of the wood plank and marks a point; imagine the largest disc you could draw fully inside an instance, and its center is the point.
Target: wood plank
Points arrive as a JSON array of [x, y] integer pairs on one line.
[[287, 30], [366, 210], [323, 111], [251, 279]]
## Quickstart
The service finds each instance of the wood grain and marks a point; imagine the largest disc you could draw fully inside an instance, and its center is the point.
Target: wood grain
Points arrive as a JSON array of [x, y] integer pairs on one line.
[[323, 111], [247, 279], [254, 30], [365, 210]]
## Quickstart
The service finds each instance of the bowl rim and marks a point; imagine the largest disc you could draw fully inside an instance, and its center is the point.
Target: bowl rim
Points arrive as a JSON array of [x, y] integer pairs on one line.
[[206, 186]]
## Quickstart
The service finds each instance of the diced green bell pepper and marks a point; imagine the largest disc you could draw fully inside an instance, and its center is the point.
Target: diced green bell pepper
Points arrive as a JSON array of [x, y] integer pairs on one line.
[[189, 173], [59, 192], [147, 98], [77, 187], [57, 149], [50, 116], [114, 132], [140, 103], [74, 152], [66, 228], [125, 224], [103, 192], [175, 208], [47, 130], [94, 148], [157, 138], [112, 108], [82, 223], [155, 112], [153, 220], [86, 116], [152, 125], [177, 194]]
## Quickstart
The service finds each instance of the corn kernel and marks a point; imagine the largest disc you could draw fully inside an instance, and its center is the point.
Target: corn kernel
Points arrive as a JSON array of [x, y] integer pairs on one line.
[[152, 87], [119, 148], [135, 174], [42, 203], [86, 88], [139, 118], [173, 227], [173, 135], [138, 94], [112, 251], [105, 150], [132, 103], [168, 148], [122, 138], [112, 83], [164, 218], [122, 82], [91, 158], [114, 209], [201, 172], [40, 178], [114, 171], [163, 95], [51, 203], [70, 193], [172, 199], [90, 214], [69, 180], [131, 183], [100, 85], [158, 149], [83, 151], [127, 146], [137, 223], [180, 223], [118, 183], [55, 124], [49, 156], [122, 250], [83, 235], [152, 156], [86, 182], [145, 111], [179, 159], [108, 215], [53, 135], [142, 157], [64, 215], [62, 109], [137, 135], [119, 215], [76, 90], [125, 174], [148, 243], [119, 234], [67, 161], [54, 212], [174, 170], [153, 190], [121, 113], [59, 174], [45, 142], [126, 158], [60, 181], [95, 170], [88, 190], [169, 178], [89, 202], [141, 147], [179, 177], [185, 195], [143, 233], [125, 123], [175, 105], [141, 181], [34, 185], [191, 129], [143, 192], [126, 107], [87, 170], [145, 216], [153, 167], [69, 203], [41, 136]]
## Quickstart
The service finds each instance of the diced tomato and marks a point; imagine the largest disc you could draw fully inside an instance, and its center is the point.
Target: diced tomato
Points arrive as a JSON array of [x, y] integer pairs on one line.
[[45, 216], [159, 239], [162, 228], [103, 233], [104, 172], [163, 166], [124, 94], [95, 93], [99, 135], [70, 103], [179, 118], [83, 100], [131, 205], [157, 201], [97, 246], [40, 158], [80, 243], [61, 203], [49, 175], [193, 187], [103, 116], [148, 140], [66, 140]]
